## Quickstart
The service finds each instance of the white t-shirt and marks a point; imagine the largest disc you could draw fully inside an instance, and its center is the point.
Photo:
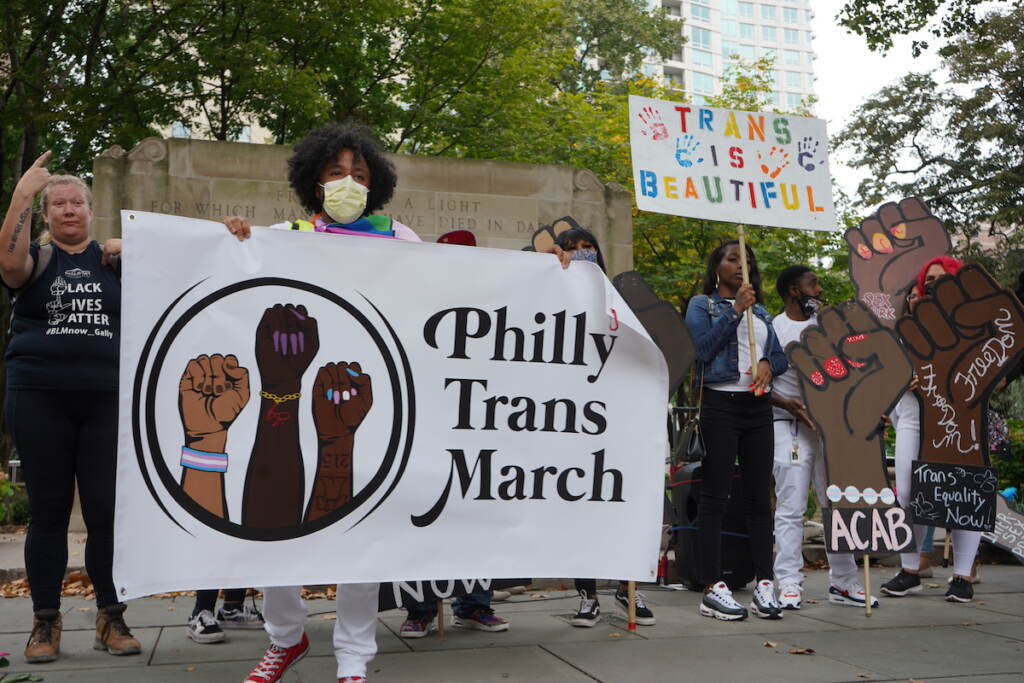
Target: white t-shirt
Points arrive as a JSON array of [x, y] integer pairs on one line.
[[743, 353], [788, 383]]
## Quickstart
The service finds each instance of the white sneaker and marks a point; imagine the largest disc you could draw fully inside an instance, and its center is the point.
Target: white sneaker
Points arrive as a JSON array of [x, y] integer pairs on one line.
[[852, 596], [765, 604], [719, 603], [791, 595], [203, 628]]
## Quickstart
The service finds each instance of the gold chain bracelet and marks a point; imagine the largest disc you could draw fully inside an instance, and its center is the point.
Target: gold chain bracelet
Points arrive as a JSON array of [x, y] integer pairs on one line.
[[279, 399]]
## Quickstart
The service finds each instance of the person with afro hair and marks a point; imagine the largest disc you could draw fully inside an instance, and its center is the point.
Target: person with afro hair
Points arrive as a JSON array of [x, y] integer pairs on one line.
[[341, 176]]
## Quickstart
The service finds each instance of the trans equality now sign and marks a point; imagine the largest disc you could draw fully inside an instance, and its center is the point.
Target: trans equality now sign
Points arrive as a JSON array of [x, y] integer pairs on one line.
[[303, 408], [756, 168]]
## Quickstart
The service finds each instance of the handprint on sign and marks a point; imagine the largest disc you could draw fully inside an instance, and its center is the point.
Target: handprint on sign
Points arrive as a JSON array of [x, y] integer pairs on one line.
[[962, 341], [853, 371], [656, 128], [888, 250], [686, 151], [777, 158], [806, 151], [212, 392], [342, 396]]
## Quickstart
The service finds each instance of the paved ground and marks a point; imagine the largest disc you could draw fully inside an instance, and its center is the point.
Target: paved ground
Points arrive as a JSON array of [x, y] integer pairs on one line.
[[915, 638]]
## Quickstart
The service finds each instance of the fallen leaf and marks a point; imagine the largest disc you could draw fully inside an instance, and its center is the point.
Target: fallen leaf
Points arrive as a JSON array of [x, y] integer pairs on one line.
[[615, 634], [190, 668], [932, 585], [171, 608], [801, 651], [968, 623], [980, 602], [85, 609], [329, 616], [812, 602], [863, 676], [768, 643]]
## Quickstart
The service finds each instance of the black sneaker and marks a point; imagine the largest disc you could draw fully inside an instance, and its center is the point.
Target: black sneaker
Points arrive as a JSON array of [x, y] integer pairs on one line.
[[960, 590], [644, 615], [901, 584], [589, 612], [203, 628], [719, 603]]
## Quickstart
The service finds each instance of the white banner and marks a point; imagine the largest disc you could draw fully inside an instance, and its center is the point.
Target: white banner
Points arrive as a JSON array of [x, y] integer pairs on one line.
[[308, 408], [755, 168]]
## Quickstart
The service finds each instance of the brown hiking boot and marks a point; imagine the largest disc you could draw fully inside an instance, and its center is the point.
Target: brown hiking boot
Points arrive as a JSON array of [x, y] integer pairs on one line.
[[112, 633], [44, 643]]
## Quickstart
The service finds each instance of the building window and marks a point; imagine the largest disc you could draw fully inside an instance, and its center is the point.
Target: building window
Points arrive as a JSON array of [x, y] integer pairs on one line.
[[808, 15], [792, 57], [747, 52], [703, 83], [180, 130], [700, 13], [768, 12], [770, 53], [810, 36], [729, 49], [700, 37], [769, 34], [730, 7], [789, 15], [675, 79], [793, 100], [791, 36], [793, 79], [730, 28], [775, 98], [747, 31], [700, 57], [747, 10]]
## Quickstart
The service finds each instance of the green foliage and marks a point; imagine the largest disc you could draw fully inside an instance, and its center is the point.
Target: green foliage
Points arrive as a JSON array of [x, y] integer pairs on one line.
[[959, 146], [1011, 468], [13, 502], [879, 20]]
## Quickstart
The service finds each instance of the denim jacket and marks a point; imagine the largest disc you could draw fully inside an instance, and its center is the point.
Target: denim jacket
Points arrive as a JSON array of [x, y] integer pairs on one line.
[[713, 328]]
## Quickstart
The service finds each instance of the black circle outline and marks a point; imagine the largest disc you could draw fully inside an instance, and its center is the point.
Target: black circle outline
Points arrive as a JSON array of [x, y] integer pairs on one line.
[[283, 533]]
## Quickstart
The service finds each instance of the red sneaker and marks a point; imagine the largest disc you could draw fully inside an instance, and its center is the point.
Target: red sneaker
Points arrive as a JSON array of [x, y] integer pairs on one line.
[[276, 661]]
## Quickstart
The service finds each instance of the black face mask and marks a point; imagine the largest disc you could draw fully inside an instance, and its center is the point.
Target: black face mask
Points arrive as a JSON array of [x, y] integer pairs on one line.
[[810, 305]]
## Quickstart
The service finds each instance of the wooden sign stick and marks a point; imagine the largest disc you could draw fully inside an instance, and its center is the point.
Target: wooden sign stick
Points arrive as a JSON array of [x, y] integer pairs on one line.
[[945, 549], [631, 612], [867, 585], [750, 311], [440, 620]]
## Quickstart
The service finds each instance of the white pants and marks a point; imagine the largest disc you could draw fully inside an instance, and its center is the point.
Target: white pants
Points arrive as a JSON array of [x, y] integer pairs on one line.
[[792, 480], [906, 418], [355, 630]]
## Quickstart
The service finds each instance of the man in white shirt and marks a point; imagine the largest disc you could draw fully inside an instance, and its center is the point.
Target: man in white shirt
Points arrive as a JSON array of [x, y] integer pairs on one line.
[[798, 455]]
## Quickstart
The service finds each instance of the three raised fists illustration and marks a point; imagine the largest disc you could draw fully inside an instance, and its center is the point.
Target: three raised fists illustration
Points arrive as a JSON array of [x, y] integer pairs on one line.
[[888, 249], [853, 371], [342, 396], [962, 340], [212, 392]]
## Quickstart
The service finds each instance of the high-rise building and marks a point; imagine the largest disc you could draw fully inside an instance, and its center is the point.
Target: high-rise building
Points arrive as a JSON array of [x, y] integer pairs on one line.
[[717, 31]]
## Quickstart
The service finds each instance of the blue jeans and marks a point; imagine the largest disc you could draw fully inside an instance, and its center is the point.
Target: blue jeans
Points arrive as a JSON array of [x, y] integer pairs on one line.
[[462, 606]]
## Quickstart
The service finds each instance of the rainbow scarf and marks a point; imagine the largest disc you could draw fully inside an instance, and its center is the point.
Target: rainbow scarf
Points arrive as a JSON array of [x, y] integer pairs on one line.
[[368, 226]]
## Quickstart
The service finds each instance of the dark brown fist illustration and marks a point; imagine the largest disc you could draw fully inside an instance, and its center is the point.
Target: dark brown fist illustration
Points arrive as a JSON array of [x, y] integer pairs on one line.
[[342, 396], [888, 250], [853, 371], [962, 340], [286, 342], [211, 394]]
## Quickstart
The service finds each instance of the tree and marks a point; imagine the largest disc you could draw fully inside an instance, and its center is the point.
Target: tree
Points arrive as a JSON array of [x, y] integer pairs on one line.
[[879, 20], [959, 146]]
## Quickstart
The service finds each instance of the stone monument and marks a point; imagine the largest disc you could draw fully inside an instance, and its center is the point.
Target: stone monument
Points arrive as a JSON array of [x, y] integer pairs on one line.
[[502, 203]]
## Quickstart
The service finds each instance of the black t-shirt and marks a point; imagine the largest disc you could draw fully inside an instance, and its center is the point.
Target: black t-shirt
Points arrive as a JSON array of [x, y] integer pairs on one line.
[[66, 328]]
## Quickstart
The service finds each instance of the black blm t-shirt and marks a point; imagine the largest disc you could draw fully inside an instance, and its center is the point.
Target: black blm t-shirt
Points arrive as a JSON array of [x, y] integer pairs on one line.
[[66, 325]]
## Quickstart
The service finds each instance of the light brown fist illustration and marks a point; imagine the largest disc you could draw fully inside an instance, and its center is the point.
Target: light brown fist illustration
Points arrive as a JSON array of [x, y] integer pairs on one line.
[[888, 249], [212, 392], [853, 371], [962, 341]]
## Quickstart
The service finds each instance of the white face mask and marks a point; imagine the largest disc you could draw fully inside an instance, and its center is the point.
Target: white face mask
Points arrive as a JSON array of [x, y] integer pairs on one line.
[[345, 199]]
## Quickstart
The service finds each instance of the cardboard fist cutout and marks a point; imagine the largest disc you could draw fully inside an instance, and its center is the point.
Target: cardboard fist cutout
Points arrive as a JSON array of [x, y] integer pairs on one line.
[[888, 249], [852, 371], [962, 340], [663, 322]]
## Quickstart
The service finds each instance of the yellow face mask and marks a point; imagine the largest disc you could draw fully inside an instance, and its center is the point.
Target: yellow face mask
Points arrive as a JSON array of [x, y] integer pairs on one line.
[[345, 199]]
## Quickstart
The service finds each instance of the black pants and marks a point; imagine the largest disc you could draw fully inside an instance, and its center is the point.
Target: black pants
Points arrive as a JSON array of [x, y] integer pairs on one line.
[[207, 599], [63, 437], [735, 425], [590, 586]]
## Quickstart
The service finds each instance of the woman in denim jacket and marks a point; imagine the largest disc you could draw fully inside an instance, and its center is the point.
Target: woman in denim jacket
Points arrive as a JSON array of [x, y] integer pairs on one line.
[[736, 422]]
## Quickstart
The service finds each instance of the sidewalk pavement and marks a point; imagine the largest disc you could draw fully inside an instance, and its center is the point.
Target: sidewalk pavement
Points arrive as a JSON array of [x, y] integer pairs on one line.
[[920, 638]]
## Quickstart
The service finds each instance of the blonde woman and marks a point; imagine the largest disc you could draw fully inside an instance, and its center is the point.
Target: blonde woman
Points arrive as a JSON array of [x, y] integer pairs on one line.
[[62, 396]]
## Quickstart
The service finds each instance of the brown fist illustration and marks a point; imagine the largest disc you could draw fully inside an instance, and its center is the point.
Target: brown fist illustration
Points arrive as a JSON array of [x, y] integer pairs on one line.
[[853, 371], [888, 250], [212, 392], [342, 396], [962, 341], [286, 342]]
